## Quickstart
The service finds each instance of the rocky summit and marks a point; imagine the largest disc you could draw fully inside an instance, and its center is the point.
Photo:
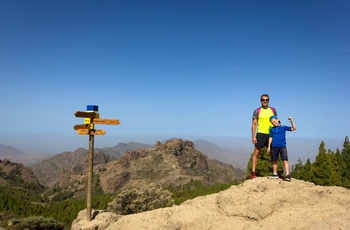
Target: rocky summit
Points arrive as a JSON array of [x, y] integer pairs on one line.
[[256, 204], [173, 163]]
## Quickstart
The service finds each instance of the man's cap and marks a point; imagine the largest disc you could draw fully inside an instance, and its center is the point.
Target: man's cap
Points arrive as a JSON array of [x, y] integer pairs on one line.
[[272, 117]]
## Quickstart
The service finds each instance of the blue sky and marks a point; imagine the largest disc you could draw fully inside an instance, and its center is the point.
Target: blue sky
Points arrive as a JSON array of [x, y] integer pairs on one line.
[[172, 68]]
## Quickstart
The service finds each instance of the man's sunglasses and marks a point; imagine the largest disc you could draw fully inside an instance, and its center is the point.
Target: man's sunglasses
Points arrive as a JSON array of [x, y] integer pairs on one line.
[[264, 99]]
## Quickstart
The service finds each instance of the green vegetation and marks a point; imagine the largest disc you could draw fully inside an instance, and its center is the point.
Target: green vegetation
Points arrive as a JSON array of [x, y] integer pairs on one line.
[[264, 165], [196, 188], [24, 203], [151, 197], [329, 169], [146, 198], [37, 223], [14, 179]]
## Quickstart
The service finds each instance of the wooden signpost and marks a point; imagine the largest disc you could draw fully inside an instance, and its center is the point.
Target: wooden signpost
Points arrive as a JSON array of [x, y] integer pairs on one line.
[[91, 132], [81, 126], [91, 117]]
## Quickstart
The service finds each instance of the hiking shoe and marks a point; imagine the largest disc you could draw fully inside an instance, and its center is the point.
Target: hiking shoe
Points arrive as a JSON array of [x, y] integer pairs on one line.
[[288, 178], [253, 175], [280, 176], [273, 176]]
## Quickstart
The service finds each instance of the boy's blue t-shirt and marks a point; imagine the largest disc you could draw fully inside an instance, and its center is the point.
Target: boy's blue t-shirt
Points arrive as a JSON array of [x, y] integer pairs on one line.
[[278, 134]]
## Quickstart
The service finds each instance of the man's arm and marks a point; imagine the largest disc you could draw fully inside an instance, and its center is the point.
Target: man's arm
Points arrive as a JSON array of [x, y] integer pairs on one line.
[[254, 124], [294, 127]]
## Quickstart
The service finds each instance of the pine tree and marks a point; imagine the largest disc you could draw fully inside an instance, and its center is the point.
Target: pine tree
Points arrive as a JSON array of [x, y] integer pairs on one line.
[[323, 173], [296, 169], [345, 166], [306, 171], [339, 162], [336, 175]]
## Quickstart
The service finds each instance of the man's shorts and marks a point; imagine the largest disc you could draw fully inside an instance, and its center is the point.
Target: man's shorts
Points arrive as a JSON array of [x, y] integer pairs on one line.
[[262, 140], [279, 150]]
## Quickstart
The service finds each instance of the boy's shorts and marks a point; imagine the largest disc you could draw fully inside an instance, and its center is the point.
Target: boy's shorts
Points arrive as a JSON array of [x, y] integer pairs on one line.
[[279, 150], [262, 140]]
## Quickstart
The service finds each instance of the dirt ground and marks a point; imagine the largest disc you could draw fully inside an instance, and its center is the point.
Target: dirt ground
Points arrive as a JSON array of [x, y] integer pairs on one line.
[[260, 203]]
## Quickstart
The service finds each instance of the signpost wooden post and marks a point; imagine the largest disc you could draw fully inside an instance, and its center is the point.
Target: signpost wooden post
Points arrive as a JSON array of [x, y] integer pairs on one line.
[[91, 117]]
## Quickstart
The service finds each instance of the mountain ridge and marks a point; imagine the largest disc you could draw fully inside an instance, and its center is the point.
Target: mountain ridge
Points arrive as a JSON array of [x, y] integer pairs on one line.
[[237, 158], [174, 162]]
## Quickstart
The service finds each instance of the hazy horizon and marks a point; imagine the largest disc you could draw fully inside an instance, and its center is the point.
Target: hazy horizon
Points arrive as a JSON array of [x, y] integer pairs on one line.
[[303, 148]]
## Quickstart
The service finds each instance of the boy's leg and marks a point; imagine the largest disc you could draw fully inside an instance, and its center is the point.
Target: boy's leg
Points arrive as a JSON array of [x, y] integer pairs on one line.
[[274, 159], [286, 167], [284, 158], [274, 167]]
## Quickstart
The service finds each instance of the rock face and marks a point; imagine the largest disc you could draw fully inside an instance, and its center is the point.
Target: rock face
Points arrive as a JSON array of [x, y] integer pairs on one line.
[[261, 203], [16, 173], [59, 169], [186, 154], [173, 163]]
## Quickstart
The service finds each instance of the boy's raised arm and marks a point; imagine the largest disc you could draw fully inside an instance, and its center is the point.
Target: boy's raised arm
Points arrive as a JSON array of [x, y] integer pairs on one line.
[[294, 127]]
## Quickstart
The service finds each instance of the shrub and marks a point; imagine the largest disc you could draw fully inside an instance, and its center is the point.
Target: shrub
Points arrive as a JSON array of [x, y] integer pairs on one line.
[[63, 196], [146, 198], [35, 223]]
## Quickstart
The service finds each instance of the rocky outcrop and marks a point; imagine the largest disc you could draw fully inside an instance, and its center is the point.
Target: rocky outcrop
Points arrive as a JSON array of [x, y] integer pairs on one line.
[[16, 174], [173, 163], [261, 203], [59, 168], [184, 151], [187, 155]]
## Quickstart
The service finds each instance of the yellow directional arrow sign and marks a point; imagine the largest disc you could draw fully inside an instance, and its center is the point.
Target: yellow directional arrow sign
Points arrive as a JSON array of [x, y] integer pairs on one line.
[[85, 114], [81, 126], [91, 131], [101, 121]]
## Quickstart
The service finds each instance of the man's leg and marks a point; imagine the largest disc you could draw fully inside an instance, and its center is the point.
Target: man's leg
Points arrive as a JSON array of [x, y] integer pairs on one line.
[[255, 158]]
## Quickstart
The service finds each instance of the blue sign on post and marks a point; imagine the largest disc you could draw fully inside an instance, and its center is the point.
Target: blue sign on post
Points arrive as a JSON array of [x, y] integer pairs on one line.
[[93, 108]]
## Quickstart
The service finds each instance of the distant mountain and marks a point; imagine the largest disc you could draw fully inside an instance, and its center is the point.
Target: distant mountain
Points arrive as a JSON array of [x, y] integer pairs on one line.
[[172, 163], [7, 150], [17, 176], [123, 147], [237, 158], [15, 155], [61, 167]]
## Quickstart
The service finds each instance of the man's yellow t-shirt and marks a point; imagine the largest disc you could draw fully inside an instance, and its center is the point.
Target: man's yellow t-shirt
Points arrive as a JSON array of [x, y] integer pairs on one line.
[[263, 118]]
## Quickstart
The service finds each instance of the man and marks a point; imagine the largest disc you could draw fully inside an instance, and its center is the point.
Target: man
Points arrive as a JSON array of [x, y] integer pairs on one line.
[[261, 129]]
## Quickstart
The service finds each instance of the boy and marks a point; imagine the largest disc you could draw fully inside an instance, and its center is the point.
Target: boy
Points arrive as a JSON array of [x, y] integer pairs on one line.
[[278, 145]]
